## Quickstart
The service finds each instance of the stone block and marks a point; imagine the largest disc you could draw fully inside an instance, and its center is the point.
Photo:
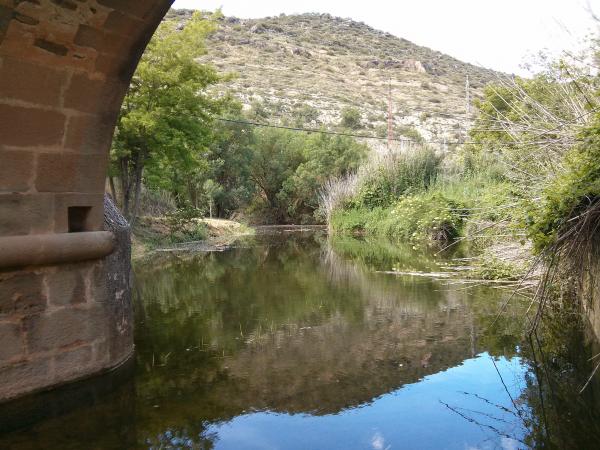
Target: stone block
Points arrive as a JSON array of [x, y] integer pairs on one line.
[[119, 22], [71, 172], [11, 343], [131, 7], [90, 134], [66, 286], [26, 127], [22, 294], [31, 82], [16, 169], [22, 214], [73, 363], [119, 67], [65, 327], [102, 354], [25, 376], [94, 96], [6, 15]]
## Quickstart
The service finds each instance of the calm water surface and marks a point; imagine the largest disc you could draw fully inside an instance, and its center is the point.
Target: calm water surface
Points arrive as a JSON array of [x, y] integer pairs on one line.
[[294, 341]]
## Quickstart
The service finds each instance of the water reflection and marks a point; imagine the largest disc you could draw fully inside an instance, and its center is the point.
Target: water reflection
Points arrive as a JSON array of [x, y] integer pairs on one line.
[[299, 342]]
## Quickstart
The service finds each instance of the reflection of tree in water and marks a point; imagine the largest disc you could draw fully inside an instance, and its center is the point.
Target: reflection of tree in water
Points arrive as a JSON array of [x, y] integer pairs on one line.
[[559, 406], [292, 328], [296, 326], [561, 355]]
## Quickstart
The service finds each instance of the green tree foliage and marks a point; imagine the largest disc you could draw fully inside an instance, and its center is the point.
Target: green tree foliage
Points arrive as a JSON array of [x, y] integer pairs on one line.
[[289, 168], [164, 127], [324, 156], [351, 119], [542, 131], [229, 158], [571, 194]]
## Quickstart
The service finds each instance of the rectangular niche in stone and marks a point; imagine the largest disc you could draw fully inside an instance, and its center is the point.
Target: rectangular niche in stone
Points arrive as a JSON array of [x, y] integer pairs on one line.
[[78, 218]]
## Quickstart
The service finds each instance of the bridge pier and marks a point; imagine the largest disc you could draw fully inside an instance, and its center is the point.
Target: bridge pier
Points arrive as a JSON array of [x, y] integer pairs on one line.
[[65, 309], [63, 322]]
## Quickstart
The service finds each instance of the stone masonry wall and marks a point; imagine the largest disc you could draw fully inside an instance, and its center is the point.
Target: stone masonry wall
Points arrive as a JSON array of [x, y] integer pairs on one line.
[[64, 68], [64, 322]]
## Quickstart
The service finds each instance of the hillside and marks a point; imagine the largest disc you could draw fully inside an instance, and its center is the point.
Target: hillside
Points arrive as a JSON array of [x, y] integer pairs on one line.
[[305, 69]]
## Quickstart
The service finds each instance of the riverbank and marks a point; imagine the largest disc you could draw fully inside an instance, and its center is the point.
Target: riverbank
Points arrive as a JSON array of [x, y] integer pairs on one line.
[[432, 203], [152, 234]]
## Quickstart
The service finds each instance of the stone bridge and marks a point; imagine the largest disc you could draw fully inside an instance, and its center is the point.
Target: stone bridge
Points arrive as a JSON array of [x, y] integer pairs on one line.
[[65, 65]]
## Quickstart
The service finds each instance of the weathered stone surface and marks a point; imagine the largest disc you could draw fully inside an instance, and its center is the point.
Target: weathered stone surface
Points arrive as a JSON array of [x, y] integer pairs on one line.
[[134, 8], [67, 286], [22, 214], [62, 203], [20, 126], [24, 376], [94, 95], [6, 15], [117, 276], [21, 293], [71, 363], [64, 69], [71, 172], [89, 134], [11, 344], [31, 82], [118, 21], [16, 169], [64, 327]]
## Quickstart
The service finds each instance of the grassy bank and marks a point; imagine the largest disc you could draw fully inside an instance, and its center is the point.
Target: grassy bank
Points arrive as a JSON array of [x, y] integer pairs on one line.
[[432, 202], [523, 194], [153, 233]]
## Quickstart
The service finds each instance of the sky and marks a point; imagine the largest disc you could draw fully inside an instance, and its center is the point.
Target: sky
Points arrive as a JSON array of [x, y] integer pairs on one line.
[[497, 34]]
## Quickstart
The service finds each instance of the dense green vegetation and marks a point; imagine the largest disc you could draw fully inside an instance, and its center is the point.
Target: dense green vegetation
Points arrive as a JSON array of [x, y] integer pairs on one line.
[[171, 146], [527, 183], [165, 119]]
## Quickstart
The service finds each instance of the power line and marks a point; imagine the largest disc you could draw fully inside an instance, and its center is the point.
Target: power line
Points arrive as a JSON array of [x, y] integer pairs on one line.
[[410, 141], [336, 133]]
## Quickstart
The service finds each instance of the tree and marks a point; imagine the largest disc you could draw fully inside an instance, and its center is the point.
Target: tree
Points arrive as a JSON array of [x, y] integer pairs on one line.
[[289, 168], [212, 190], [229, 159], [324, 157], [165, 121]]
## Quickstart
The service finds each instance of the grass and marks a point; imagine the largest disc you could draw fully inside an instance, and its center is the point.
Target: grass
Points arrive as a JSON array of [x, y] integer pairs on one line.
[[436, 206], [151, 233]]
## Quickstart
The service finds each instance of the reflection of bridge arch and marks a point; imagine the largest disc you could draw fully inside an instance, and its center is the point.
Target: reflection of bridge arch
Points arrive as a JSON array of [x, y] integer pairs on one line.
[[64, 68]]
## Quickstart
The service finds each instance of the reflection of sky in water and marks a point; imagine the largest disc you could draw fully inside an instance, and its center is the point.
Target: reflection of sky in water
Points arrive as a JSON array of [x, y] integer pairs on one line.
[[413, 417]]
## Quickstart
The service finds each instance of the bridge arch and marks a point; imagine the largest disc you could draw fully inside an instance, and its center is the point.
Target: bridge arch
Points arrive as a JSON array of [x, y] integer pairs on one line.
[[65, 66]]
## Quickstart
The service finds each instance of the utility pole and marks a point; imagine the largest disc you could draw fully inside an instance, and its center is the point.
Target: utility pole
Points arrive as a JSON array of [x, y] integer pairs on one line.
[[390, 119]]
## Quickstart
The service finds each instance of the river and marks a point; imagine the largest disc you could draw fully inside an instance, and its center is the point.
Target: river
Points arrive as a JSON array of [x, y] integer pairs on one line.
[[293, 340]]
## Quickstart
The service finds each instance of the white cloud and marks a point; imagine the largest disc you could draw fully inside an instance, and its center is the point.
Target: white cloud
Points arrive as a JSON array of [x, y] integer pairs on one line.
[[378, 442]]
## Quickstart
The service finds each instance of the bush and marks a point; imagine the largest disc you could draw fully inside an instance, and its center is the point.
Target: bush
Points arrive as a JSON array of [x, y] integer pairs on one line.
[[395, 175], [422, 218], [351, 119], [568, 195], [184, 224]]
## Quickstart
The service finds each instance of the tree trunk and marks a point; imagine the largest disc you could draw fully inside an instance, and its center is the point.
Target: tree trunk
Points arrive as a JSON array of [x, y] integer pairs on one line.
[[113, 190], [125, 185], [139, 172]]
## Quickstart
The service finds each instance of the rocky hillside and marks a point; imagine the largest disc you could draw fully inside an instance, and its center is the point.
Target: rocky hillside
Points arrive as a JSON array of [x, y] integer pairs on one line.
[[306, 69]]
